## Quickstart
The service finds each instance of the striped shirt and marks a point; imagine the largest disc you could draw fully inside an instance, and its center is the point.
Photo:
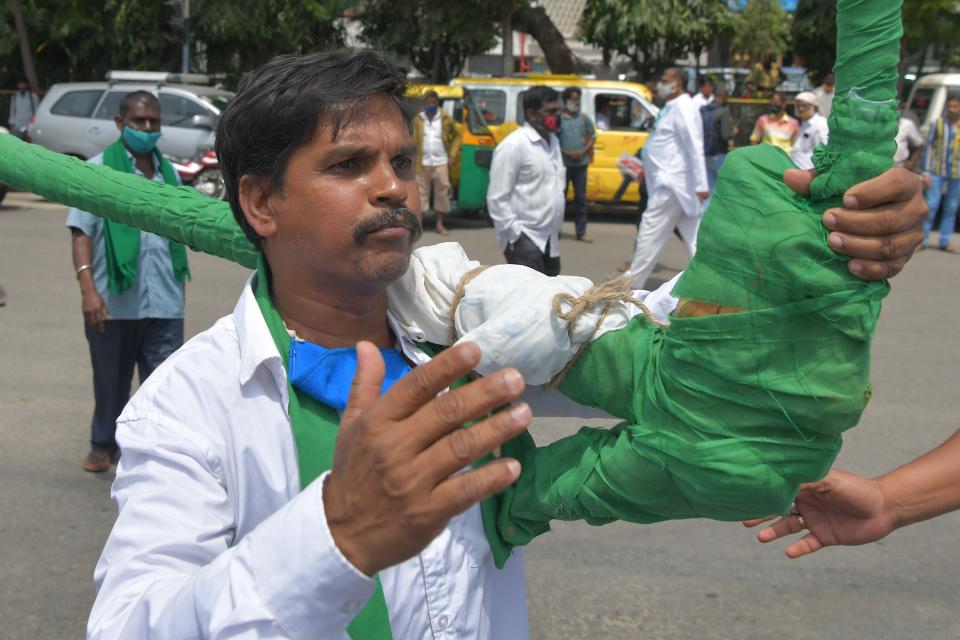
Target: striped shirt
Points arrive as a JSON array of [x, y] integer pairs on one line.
[[942, 155]]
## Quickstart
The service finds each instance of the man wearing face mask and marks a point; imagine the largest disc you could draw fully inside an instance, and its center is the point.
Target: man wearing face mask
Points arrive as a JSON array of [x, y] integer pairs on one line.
[[675, 176], [526, 197], [438, 147], [776, 127], [131, 282], [576, 144]]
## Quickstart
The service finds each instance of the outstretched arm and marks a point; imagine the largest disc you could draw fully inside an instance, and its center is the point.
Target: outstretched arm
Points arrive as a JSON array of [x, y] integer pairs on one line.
[[847, 509]]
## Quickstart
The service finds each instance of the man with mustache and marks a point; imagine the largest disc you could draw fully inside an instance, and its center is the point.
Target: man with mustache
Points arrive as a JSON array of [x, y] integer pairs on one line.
[[238, 515]]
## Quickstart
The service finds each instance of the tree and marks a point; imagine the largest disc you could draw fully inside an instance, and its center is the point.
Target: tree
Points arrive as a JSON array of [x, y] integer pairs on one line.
[[536, 22], [24, 41], [763, 30], [654, 33], [814, 34], [438, 37]]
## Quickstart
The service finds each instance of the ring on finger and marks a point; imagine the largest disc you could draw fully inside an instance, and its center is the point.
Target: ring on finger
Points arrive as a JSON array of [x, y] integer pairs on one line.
[[793, 509]]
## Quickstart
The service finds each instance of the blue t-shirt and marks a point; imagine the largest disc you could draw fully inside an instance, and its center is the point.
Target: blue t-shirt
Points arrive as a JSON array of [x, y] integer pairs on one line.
[[573, 135]]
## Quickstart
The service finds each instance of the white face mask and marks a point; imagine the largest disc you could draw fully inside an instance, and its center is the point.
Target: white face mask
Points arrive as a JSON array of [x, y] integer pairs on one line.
[[665, 89]]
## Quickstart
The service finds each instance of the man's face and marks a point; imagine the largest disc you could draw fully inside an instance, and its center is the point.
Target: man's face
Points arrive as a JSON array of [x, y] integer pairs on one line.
[[140, 116], [953, 109], [671, 78], [707, 89], [805, 110], [574, 101], [776, 104], [348, 210], [21, 87], [433, 104], [546, 118], [830, 80]]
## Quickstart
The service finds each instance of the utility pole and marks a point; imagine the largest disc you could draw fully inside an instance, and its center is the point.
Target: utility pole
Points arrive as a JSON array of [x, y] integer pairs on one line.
[[28, 69], [185, 53]]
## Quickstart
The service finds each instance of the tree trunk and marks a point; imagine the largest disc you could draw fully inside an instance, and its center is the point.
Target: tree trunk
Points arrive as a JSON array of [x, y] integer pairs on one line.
[[28, 69], [536, 22]]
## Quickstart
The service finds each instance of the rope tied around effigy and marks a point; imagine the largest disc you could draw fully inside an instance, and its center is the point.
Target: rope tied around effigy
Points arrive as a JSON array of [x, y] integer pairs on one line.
[[606, 294]]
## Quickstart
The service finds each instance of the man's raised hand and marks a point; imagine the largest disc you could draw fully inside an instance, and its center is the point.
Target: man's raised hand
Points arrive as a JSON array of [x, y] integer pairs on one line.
[[392, 487]]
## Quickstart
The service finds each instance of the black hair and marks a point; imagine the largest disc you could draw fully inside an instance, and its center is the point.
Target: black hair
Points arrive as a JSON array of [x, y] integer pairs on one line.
[[145, 97], [534, 97], [281, 105], [704, 80], [953, 96], [569, 91], [431, 94]]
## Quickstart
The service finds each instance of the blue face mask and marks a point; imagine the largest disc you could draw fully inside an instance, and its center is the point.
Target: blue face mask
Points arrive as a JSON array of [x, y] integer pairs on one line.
[[326, 374], [140, 141], [431, 111]]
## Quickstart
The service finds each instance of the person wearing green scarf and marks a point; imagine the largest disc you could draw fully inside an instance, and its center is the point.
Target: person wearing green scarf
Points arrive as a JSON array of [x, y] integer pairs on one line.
[[131, 282]]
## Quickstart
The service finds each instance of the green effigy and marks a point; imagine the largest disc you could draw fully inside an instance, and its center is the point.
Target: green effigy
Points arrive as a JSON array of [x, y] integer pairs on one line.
[[724, 415]]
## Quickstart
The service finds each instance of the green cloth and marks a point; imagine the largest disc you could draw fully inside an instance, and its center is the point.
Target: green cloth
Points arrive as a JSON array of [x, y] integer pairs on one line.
[[122, 242], [315, 427], [726, 415]]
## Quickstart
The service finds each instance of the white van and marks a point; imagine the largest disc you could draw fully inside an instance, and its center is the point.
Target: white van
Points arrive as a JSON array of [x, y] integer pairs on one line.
[[77, 118], [928, 98]]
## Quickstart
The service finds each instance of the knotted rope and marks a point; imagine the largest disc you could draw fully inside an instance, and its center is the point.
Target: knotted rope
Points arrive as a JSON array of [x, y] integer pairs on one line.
[[606, 293]]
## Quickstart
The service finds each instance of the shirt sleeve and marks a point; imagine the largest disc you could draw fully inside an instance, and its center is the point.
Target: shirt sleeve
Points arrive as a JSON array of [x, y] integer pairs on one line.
[[503, 178], [83, 221], [757, 134], [172, 567]]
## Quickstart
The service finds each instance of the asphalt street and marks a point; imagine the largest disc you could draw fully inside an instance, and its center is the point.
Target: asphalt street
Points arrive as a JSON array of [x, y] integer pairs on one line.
[[679, 580]]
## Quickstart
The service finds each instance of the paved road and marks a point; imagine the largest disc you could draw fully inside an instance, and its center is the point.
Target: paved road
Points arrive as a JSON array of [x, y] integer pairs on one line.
[[671, 581]]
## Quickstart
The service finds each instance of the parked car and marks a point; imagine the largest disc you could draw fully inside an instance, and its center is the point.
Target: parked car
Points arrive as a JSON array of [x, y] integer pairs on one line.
[[77, 118]]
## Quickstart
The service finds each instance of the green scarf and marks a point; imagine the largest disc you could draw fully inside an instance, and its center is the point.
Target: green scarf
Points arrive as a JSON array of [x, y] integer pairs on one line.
[[123, 242], [315, 427]]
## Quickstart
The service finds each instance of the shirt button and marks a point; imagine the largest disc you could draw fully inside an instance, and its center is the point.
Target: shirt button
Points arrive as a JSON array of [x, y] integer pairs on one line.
[[442, 622]]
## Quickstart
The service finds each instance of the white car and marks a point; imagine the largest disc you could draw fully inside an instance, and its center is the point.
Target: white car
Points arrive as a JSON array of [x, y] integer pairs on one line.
[[77, 118]]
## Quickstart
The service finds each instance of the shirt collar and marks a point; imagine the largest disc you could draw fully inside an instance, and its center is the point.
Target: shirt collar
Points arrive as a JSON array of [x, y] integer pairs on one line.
[[257, 347], [532, 134]]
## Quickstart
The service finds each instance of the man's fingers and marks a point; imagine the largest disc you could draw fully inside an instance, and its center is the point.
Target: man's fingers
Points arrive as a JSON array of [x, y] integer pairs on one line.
[[888, 247], [423, 384], [458, 493], [799, 180], [465, 445], [470, 402], [785, 526], [755, 521], [877, 270], [367, 381], [805, 545], [876, 222], [894, 185]]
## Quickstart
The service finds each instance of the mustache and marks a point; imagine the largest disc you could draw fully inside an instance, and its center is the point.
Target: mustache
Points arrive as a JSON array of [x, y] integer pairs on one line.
[[397, 217]]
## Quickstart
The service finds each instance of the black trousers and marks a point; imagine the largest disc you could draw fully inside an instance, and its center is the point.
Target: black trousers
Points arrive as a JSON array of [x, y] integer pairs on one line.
[[524, 251]]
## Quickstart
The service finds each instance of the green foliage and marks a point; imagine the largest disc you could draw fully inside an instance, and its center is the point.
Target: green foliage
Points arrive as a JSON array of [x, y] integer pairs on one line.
[[762, 30], [654, 33], [77, 40], [437, 36], [814, 34]]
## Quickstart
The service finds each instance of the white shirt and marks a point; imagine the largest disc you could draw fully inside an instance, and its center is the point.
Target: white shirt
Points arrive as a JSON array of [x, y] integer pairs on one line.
[[673, 156], [700, 100], [527, 191], [908, 138], [824, 100], [22, 107], [214, 538], [434, 153], [813, 131]]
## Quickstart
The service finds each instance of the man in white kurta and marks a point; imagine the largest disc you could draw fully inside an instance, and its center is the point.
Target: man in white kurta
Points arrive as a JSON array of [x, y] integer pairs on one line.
[[676, 178]]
